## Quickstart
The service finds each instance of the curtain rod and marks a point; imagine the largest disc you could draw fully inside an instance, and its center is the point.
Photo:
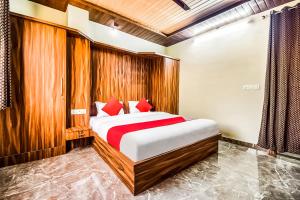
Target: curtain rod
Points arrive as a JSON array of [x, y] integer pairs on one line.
[[277, 12], [288, 7]]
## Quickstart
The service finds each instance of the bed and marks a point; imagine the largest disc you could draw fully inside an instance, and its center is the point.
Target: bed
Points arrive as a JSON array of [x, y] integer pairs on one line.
[[148, 156]]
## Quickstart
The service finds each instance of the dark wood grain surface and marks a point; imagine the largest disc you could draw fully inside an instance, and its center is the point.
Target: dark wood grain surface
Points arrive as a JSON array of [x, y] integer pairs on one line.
[[164, 85], [78, 137], [119, 75], [119, 163], [130, 77], [141, 175], [36, 121], [44, 59], [154, 170], [10, 119], [78, 80], [56, 4]]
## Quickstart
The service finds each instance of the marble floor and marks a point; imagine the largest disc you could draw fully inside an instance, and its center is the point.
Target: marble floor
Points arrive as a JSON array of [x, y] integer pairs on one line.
[[234, 173]]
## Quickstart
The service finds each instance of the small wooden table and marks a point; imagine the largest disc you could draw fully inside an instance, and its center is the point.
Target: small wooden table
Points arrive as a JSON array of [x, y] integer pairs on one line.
[[74, 133], [78, 137]]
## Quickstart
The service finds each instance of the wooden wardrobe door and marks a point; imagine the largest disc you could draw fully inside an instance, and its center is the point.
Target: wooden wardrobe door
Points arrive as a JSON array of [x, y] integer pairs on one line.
[[79, 80], [44, 58], [164, 85], [171, 82]]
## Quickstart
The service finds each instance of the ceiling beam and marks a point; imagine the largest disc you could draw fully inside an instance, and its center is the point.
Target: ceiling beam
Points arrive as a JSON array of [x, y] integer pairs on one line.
[[182, 4], [56, 4], [96, 8], [202, 19]]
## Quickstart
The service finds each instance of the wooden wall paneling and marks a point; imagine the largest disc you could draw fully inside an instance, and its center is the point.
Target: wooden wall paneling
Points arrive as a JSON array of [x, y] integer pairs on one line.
[[44, 58], [78, 80], [120, 75], [164, 84], [156, 83], [171, 80], [10, 119]]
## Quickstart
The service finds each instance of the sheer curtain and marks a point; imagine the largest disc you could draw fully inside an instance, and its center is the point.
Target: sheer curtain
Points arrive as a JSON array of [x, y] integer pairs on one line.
[[5, 71], [280, 127]]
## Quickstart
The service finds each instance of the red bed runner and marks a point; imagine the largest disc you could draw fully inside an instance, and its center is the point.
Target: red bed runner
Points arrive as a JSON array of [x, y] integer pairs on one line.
[[116, 133]]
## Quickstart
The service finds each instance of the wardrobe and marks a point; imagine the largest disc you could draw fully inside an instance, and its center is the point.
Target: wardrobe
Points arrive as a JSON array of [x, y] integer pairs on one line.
[[33, 127]]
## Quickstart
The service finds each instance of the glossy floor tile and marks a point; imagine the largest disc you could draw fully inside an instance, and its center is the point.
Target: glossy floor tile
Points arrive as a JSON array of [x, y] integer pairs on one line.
[[234, 173]]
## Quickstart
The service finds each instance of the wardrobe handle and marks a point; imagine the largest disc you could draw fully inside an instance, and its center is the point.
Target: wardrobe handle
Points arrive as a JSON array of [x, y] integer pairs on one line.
[[62, 87]]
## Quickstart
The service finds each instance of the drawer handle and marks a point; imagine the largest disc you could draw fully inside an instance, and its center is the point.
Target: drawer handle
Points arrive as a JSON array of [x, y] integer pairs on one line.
[[81, 134]]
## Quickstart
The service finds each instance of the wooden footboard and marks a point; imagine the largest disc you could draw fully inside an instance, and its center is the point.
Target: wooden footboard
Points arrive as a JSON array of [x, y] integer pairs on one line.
[[139, 176], [119, 163]]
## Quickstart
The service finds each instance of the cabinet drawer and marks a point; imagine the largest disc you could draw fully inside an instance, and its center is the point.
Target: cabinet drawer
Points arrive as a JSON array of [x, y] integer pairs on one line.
[[72, 135]]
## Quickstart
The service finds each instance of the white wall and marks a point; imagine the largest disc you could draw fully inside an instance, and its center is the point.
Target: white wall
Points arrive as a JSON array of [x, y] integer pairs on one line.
[[79, 19], [117, 38], [215, 65]]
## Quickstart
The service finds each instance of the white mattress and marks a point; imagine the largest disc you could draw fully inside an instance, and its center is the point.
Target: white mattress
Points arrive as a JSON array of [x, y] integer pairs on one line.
[[143, 144]]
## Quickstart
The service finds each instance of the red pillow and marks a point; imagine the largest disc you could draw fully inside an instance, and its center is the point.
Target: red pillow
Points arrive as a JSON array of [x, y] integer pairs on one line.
[[143, 105], [112, 107]]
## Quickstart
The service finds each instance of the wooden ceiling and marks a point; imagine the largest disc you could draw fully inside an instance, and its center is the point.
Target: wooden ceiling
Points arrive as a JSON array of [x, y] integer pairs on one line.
[[163, 21], [163, 15]]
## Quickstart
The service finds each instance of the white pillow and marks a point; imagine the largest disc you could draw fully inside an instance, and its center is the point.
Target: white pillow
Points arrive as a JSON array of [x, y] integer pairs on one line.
[[101, 113], [132, 107], [122, 109]]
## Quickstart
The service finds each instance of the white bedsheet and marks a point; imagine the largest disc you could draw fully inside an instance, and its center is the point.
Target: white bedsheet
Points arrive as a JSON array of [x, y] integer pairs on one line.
[[143, 144]]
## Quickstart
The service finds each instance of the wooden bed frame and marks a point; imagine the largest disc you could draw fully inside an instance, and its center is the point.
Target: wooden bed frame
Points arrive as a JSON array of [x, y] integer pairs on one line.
[[141, 175]]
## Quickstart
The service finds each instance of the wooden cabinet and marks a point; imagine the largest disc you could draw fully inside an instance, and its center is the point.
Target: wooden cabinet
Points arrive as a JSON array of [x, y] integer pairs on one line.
[[164, 84], [34, 127], [79, 136], [78, 79], [44, 76]]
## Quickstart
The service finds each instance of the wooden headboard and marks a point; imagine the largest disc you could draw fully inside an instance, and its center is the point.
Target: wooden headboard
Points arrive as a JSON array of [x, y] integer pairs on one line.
[[120, 75], [130, 77]]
